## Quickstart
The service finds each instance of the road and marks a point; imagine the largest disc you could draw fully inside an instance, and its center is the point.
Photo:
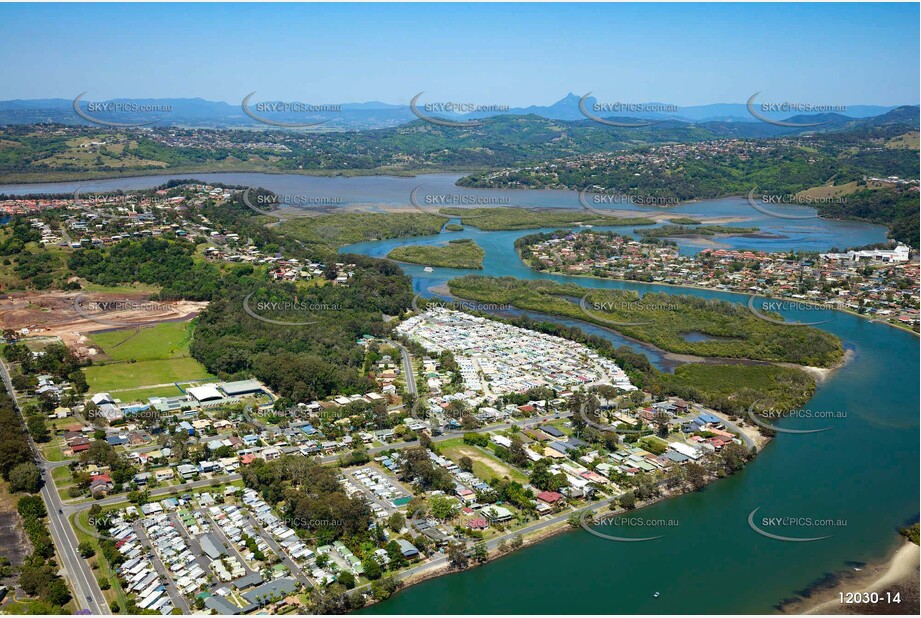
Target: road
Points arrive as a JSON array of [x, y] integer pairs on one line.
[[408, 374], [327, 459], [86, 589], [171, 590], [293, 567]]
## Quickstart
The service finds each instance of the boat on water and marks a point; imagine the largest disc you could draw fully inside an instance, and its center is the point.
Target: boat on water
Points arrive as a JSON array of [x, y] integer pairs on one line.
[[428, 269], [656, 595]]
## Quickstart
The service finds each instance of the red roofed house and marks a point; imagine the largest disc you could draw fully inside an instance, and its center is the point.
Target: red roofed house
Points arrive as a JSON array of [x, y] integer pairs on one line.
[[550, 497]]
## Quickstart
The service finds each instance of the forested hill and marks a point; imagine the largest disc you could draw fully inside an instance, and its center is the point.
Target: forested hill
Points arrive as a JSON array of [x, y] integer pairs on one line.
[[57, 151]]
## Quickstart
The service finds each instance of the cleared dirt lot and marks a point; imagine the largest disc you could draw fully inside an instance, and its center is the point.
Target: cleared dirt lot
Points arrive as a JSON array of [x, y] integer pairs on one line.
[[68, 315]]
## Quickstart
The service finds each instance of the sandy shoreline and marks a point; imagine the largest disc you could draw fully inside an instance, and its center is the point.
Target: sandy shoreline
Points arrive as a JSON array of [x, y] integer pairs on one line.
[[900, 572]]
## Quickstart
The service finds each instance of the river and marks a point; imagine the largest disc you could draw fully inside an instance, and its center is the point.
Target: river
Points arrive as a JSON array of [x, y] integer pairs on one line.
[[377, 192], [863, 472]]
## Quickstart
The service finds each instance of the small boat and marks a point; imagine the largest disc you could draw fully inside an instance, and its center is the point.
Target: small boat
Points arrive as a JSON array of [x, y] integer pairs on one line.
[[656, 595], [429, 269]]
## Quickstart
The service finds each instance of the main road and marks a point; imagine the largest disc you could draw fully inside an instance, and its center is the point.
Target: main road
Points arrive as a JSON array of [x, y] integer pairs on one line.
[[84, 584], [408, 374]]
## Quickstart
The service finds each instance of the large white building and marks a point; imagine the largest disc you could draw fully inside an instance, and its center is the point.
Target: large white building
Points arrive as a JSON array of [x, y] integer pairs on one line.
[[900, 254]]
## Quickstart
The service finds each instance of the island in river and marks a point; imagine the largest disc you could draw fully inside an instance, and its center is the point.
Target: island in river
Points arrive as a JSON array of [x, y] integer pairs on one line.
[[461, 253]]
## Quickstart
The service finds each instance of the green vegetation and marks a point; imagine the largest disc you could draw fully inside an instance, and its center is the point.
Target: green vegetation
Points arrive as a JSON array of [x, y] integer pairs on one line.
[[454, 227], [485, 465], [16, 458], [911, 533], [463, 253], [155, 355], [660, 319], [727, 388], [313, 499], [333, 231], [25, 263], [59, 152], [127, 375], [142, 394], [768, 385], [170, 263], [895, 208], [494, 219], [787, 167], [684, 221], [702, 230], [39, 577], [160, 341]]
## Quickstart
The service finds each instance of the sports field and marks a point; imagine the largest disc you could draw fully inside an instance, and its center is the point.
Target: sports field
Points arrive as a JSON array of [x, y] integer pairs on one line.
[[162, 355], [161, 341], [143, 374]]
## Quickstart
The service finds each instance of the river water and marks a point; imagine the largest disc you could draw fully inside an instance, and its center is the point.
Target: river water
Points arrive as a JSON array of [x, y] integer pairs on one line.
[[863, 473], [376, 192]]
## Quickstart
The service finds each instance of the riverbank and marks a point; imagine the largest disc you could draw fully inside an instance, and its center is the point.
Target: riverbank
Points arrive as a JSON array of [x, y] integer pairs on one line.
[[869, 318], [899, 573], [559, 524], [46, 177], [820, 374]]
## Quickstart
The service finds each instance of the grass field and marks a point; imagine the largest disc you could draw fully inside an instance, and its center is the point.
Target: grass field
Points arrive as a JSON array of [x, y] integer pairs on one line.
[[162, 355], [485, 465], [144, 373], [53, 453], [142, 394], [161, 341]]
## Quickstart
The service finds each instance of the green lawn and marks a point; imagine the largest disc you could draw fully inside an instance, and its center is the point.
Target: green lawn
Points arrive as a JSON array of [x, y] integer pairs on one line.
[[144, 373], [62, 476], [485, 465], [142, 394], [161, 341], [53, 453]]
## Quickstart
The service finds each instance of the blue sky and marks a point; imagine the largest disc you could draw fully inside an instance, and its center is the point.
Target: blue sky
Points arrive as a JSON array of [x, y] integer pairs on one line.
[[512, 54]]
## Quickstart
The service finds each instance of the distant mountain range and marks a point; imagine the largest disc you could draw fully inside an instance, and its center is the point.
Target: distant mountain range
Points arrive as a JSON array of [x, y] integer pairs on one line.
[[376, 115]]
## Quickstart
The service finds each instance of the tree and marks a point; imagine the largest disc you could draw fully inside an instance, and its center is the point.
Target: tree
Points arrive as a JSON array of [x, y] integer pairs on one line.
[[443, 507], [465, 464], [86, 549], [372, 568], [396, 521], [696, 475], [628, 500], [383, 588], [38, 429], [480, 553], [395, 553], [574, 520], [457, 557], [733, 457], [25, 477], [346, 579]]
